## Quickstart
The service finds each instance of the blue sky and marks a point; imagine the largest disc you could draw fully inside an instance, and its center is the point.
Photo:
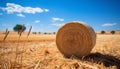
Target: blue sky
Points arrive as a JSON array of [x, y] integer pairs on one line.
[[49, 15]]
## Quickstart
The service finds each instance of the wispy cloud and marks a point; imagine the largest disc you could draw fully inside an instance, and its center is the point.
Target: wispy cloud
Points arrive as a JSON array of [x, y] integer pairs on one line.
[[12, 8], [46, 10], [37, 21], [57, 19], [20, 15], [109, 24], [57, 24], [1, 13]]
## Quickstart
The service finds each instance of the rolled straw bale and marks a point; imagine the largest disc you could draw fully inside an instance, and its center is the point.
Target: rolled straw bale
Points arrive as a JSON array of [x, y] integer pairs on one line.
[[75, 38]]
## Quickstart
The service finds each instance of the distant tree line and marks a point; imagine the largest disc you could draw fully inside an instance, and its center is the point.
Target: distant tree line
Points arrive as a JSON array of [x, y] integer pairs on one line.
[[112, 32], [19, 27], [43, 33]]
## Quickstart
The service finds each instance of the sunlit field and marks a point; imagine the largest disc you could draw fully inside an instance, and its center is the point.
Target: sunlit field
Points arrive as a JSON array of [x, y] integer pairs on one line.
[[39, 51]]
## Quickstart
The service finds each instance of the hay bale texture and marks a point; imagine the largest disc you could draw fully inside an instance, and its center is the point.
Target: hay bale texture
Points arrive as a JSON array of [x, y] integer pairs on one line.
[[75, 38]]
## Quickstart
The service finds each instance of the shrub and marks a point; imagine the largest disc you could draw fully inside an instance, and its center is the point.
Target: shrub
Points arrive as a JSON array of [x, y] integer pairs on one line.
[[102, 32], [112, 32], [19, 27]]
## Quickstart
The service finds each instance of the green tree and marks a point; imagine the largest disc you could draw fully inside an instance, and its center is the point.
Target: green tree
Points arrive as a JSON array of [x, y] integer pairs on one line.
[[45, 33], [112, 32], [39, 32], [19, 27], [34, 32], [102, 32], [54, 32]]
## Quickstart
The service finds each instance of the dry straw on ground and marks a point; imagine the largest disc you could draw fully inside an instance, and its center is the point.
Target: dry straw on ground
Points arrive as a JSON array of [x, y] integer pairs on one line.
[[75, 38]]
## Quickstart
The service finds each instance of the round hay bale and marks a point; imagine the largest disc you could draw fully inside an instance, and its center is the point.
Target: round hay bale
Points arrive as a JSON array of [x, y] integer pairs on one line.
[[75, 38]]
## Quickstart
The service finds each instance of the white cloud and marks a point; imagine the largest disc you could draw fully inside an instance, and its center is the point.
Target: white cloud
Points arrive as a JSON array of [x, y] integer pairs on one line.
[[12, 8], [37, 21], [109, 24], [57, 24], [46, 10], [20, 15], [57, 19], [1, 13]]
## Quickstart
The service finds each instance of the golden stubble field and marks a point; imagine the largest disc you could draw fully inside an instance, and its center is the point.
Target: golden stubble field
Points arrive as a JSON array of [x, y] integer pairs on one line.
[[40, 52]]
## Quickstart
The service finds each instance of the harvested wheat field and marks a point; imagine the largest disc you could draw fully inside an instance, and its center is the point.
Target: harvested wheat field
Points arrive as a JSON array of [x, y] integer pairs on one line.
[[40, 52]]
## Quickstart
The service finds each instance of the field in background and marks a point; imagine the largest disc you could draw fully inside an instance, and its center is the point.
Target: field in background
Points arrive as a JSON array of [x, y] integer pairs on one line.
[[13, 36], [40, 52]]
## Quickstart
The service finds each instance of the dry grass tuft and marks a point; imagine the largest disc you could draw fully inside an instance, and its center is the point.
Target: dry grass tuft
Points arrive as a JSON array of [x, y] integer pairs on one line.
[[20, 32], [45, 51], [29, 31], [6, 34]]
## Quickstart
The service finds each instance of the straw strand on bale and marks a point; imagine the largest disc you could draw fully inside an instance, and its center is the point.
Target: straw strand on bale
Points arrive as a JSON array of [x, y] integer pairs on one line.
[[75, 38]]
